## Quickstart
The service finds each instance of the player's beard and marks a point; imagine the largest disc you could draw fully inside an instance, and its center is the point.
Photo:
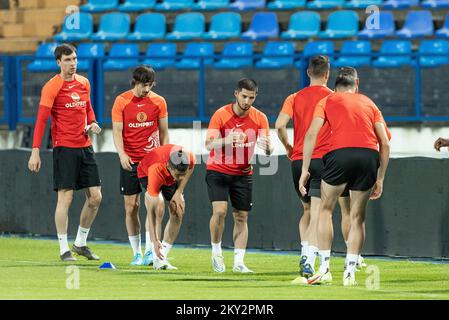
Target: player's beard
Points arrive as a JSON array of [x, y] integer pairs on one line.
[[241, 107]]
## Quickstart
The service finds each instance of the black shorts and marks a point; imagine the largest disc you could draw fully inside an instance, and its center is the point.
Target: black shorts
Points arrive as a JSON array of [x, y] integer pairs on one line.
[[355, 166], [313, 185], [221, 186], [167, 191], [74, 168], [129, 183]]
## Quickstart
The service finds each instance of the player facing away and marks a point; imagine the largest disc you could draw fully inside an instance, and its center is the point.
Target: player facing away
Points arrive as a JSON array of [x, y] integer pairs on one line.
[[357, 160], [66, 99], [164, 173], [234, 130], [139, 124]]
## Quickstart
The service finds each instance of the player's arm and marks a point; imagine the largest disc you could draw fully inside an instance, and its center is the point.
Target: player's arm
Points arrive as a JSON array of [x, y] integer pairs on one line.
[[34, 163], [163, 131], [92, 124], [152, 203], [384, 155], [281, 124], [117, 135], [178, 199], [441, 142], [309, 146], [264, 142]]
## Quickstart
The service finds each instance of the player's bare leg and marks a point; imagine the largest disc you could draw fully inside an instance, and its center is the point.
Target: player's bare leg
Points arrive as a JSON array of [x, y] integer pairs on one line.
[[216, 225], [312, 236], [345, 209], [304, 223], [88, 214], [356, 239], [65, 198], [240, 237], [132, 205]]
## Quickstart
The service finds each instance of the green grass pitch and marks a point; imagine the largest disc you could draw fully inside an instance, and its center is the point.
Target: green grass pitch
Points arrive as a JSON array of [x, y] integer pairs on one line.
[[30, 269]]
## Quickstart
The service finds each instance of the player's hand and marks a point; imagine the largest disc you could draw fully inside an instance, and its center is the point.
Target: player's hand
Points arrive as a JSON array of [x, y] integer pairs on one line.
[[126, 162], [34, 163], [440, 142], [264, 143], [157, 247], [177, 203], [235, 137], [289, 150], [305, 175], [377, 190], [94, 127]]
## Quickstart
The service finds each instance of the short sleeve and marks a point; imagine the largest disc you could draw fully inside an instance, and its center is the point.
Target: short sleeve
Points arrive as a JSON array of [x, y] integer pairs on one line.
[[117, 109], [163, 109], [320, 109], [49, 93], [264, 125], [213, 131], [287, 107], [155, 181]]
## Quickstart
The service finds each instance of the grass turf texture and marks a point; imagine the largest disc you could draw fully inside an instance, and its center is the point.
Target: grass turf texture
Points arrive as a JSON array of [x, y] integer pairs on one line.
[[30, 269]]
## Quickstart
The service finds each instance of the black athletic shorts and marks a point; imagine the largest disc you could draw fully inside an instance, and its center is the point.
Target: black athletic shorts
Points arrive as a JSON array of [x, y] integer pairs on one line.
[[221, 186], [74, 168], [129, 183], [355, 166], [313, 185], [167, 191]]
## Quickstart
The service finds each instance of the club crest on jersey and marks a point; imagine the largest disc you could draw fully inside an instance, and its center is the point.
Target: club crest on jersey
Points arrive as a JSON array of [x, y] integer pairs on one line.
[[75, 96], [76, 101], [141, 117]]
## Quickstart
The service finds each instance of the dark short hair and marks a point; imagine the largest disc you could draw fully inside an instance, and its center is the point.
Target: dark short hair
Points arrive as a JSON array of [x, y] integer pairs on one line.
[[319, 66], [179, 160], [143, 74], [347, 77], [64, 49], [248, 84]]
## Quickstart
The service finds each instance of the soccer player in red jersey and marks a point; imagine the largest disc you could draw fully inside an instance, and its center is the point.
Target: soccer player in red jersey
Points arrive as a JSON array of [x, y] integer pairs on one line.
[[164, 173], [233, 132], [66, 99], [139, 124], [357, 160]]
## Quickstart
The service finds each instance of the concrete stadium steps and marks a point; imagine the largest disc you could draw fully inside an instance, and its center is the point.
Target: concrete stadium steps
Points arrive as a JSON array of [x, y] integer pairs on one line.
[[20, 44]]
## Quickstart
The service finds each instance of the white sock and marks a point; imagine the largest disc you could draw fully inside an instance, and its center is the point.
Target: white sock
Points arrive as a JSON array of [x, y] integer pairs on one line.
[[148, 243], [325, 256], [135, 244], [63, 244], [216, 249], [239, 254], [351, 262], [304, 248], [311, 255], [81, 237], [166, 248]]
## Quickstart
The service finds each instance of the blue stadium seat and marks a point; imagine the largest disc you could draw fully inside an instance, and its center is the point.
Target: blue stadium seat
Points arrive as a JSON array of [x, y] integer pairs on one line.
[[149, 26], [272, 55], [303, 25], [351, 52], [386, 27], [286, 4], [400, 4], [88, 50], [45, 50], [113, 26], [224, 25], [435, 4], [122, 50], [341, 24], [174, 5], [236, 55], [392, 47], [76, 27], [161, 55], [263, 25], [211, 5], [359, 4], [188, 26], [191, 53], [99, 6], [434, 46], [244, 5], [417, 24], [318, 47], [325, 4], [444, 31], [137, 5]]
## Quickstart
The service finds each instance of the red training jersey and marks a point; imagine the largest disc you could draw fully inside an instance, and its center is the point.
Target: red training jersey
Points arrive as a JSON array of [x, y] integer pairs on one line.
[[235, 159], [300, 107], [140, 118]]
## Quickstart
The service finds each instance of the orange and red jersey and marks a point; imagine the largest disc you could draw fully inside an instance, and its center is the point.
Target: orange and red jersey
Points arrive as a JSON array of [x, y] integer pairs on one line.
[[68, 104], [351, 117], [300, 107], [154, 166], [235, 159], [140, 118]]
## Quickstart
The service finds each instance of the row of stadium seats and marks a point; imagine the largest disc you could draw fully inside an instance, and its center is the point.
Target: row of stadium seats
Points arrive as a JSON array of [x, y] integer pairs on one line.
[[240, 54], [244, 5], [225, 25]]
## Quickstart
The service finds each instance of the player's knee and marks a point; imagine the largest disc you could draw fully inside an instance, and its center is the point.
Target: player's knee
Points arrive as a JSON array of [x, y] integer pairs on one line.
[[240, 218], [65, 199], [220, 213], [95, 199], [357, 218], [132, 209]]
